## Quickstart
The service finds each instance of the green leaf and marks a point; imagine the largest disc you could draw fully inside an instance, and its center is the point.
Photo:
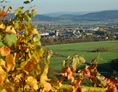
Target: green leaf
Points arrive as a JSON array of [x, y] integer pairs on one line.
[[29, 20], [28, 17], [78, 60], [18, 10], [10, 39], [81, 59]]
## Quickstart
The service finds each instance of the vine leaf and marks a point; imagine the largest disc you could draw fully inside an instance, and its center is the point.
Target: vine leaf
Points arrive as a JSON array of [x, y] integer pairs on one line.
[[37, 38], [10, 29], [28, 18], [18, 10], [38, 54], [32, 82], [3, 13], [2, 26], [2, 76], [34, 12], [30, 65], [4, 51], [2, 63], [38, 69], [10, 39], [22, 65], [10, 62], [77, 60]]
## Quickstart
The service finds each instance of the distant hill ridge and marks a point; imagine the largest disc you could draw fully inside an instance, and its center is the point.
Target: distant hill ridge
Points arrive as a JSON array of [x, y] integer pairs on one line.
[[98, 16], [94, 16]]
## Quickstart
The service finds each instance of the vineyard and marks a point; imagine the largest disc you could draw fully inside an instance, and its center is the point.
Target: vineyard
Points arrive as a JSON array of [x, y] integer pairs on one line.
[[24, 62]]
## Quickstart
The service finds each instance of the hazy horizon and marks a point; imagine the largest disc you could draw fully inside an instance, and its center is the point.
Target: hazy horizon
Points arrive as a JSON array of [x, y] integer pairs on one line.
[[53, 6]]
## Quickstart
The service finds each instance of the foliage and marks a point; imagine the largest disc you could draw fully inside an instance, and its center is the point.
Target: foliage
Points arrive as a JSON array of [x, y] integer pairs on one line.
[[89, 72], [21, 54]]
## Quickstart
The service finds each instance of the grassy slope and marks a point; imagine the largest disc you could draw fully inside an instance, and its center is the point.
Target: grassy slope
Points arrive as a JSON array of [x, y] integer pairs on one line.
[[65, 50]]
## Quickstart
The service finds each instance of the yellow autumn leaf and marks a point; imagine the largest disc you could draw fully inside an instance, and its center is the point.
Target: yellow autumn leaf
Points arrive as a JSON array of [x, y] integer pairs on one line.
[[43, 79], [10, 62], [2, 26], [3, 90], [34, 31], [38, 69], [22, 65], [18, 77], [38, 54], [50, 53], [10, 29], [32, 82], [2, 62]]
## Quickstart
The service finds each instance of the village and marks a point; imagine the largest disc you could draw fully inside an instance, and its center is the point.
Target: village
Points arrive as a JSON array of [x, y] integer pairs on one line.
[[78, 33]]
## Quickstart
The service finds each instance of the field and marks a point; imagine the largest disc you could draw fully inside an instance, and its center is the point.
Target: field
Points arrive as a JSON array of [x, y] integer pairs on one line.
[[84, 49]]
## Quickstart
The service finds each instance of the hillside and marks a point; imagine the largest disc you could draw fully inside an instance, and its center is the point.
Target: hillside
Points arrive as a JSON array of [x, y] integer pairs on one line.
[[98, 16], [43, 18], [109, 15], [94, 16], [36, 18]]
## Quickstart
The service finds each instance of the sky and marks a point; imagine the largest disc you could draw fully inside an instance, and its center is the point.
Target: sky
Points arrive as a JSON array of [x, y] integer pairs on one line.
[[50, 6]]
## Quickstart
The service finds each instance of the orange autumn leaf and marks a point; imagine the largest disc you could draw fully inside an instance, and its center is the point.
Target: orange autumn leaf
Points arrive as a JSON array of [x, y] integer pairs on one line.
[[2, 79], [10, 62], [3, 13], [4, 51], [30, 65]]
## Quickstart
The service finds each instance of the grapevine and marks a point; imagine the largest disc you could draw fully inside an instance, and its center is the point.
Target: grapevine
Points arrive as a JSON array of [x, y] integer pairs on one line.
[[21, 55]]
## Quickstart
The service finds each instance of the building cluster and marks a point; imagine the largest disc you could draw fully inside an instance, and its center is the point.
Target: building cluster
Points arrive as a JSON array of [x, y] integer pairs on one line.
[[106, 32]]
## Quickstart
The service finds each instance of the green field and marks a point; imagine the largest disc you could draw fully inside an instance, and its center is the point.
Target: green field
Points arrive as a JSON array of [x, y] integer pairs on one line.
[[63, 50]]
